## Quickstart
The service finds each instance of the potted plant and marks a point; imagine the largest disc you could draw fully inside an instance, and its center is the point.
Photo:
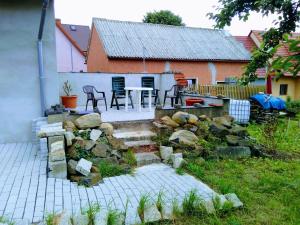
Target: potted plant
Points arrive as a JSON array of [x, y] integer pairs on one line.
[[68, 100]]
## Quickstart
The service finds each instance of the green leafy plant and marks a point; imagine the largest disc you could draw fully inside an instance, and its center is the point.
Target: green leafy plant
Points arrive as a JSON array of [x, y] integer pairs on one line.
[[81, 152], [268, 131], [130, 158], [293, 106], [67, 88], [180, 171], [91, 212], [143, 203]]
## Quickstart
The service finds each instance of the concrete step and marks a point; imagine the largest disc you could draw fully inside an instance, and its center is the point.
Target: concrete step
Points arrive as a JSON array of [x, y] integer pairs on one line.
[[146, 158], [137, 135], [133, 125], [139, 143]]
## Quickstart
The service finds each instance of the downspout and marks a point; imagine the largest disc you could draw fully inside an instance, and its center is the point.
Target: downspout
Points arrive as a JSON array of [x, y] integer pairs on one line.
[[40, 56]]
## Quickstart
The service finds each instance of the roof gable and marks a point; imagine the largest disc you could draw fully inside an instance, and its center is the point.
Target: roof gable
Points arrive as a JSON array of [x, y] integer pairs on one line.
[[153, 41]]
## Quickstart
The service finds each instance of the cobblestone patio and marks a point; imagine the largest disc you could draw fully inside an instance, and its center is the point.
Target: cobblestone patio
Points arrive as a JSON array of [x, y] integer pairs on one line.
[[27, 195]]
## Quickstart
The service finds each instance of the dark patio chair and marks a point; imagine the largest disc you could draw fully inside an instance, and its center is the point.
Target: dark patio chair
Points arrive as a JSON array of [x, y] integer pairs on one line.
[[176, 94], [149, 83], [90, 90], [118, 85]]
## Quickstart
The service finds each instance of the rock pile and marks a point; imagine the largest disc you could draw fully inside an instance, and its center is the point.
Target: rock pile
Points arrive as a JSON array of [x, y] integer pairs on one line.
[[76, 148], [196, 136], [90, 142]]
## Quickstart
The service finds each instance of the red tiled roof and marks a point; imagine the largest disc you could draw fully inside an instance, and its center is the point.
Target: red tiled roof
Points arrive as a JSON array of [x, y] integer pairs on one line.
[[246, 41]]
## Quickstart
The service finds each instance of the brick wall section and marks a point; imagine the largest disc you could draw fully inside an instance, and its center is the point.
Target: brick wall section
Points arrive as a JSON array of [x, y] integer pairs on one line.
[[98, 62]]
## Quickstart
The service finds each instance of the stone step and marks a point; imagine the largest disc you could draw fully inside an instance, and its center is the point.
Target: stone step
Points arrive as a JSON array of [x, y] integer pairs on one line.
[[146, 158], [137, 135], [139, 143], [133, 125]]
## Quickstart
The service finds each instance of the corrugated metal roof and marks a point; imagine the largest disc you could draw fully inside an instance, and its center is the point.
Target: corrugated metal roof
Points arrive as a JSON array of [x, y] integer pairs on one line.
[[136, 40]]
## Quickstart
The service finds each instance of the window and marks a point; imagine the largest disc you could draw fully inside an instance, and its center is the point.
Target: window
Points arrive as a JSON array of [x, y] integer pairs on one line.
[[283, 89], [73, 27]]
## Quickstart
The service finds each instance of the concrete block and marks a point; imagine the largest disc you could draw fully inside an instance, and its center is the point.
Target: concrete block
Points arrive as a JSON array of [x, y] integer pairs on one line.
[[84, 167]]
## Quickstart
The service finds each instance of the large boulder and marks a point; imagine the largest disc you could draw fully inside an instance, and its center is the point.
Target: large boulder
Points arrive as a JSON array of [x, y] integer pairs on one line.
[[151, 214], [184, 137], [169, 122], [233, 152], [107, 128], [100, 150], [218, 130], [192, 119], [181, 117], [233, 198], [91, 120]]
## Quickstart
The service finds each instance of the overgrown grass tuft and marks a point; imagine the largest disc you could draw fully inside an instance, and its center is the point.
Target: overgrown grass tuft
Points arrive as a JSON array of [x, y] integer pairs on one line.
[[108, 169], [91, 212], [113, 217], [144, 201], [129, 158], [6, 221]]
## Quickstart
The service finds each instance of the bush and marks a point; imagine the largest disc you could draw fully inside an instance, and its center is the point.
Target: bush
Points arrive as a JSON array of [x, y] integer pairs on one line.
[[293, 106]]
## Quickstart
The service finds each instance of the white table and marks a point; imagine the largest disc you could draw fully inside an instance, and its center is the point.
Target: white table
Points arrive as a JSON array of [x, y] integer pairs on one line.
[[139, 95]]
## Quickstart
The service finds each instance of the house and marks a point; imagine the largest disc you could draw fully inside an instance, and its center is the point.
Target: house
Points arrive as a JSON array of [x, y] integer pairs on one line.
[[28, 60], [285, 86], [204, 56], [71, 47]]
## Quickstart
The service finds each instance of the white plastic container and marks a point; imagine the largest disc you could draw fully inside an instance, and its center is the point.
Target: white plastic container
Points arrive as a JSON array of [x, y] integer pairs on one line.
[[240, 110]]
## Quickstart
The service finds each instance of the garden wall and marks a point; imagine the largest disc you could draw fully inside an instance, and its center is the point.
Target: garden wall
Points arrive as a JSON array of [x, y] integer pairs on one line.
[[103, 82]]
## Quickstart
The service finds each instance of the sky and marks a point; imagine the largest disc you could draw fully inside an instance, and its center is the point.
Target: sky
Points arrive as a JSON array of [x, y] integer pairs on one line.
[[193, 12]]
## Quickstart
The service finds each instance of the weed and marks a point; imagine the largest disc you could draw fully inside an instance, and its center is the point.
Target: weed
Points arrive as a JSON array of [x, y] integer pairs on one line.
[[109, 169], [160, 202], [144, 201], [91, 212], [3, 220], [180, 171], [129, 158], [113, 217], [176, 212], [49, 219], [190, 203]]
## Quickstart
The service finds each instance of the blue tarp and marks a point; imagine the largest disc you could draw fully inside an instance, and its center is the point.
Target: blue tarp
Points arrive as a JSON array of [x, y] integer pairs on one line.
[[269, 101]]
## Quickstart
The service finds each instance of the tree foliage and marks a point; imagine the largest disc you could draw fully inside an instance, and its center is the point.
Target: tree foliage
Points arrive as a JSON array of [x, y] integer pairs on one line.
[[163, 17], [286, 22]]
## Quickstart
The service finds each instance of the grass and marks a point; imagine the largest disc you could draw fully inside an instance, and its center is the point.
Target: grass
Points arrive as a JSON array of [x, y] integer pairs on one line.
[[49, 219], [286, 136], [91, 212], [113, 217], [270, 189], [6, 221], [108, 169], [129, 158], [144, 201]]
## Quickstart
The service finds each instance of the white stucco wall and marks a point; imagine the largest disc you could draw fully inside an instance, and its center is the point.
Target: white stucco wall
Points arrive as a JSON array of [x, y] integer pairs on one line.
[[19, 79], [69, 59], [103, 82]]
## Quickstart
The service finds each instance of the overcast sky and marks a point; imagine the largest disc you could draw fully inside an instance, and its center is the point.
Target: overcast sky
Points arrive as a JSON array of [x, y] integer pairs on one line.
[[193, 12]]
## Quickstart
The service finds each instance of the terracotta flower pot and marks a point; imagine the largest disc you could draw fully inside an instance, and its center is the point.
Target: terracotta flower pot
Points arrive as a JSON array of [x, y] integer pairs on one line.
[[69, 101]]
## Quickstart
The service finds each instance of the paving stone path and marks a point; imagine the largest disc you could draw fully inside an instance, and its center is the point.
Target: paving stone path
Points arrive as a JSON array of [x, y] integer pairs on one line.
[[27, 195]]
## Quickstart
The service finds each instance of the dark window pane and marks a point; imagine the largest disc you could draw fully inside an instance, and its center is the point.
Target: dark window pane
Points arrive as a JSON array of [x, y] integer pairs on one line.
[[283, 89]]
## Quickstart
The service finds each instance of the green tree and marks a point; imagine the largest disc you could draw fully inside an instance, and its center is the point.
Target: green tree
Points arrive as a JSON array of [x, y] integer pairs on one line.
[[163, 17], [288, 16]]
